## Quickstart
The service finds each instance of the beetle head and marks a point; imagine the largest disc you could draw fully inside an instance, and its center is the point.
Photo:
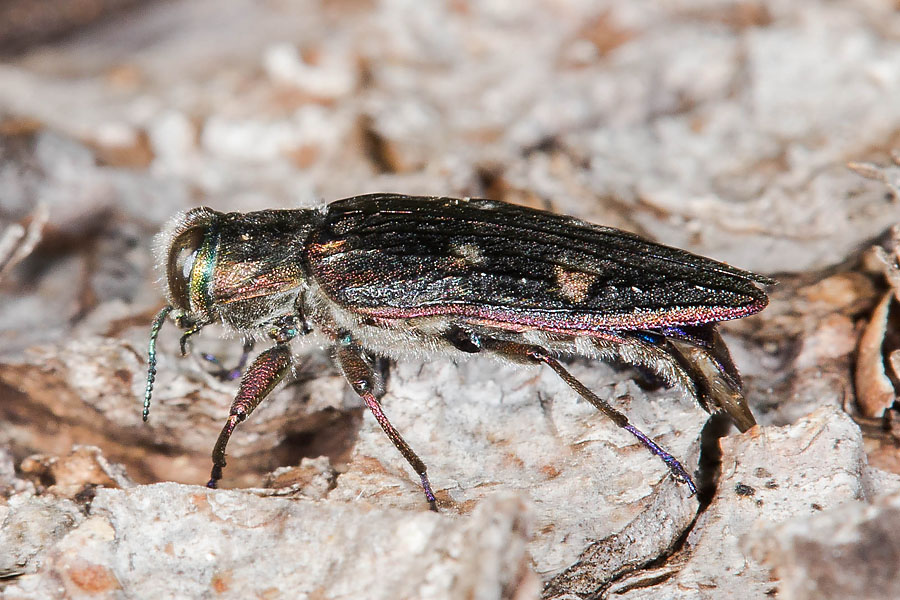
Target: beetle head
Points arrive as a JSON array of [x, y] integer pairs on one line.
[[187, 248]]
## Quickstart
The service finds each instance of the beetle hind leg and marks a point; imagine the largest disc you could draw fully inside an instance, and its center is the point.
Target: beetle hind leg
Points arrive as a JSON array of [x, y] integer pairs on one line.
[[361, 377], [695, 357], [715, 378], [528, 353]]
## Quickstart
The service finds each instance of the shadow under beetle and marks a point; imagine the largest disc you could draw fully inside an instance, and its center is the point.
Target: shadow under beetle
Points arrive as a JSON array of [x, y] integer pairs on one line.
[[393, 275]]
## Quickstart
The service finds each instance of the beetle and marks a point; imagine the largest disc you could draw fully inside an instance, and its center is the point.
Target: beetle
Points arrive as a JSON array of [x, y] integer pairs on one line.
[[389, 275]]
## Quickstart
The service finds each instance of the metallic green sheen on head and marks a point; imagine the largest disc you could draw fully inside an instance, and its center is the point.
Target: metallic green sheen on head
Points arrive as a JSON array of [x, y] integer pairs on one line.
[[202, 272], [190, 243]]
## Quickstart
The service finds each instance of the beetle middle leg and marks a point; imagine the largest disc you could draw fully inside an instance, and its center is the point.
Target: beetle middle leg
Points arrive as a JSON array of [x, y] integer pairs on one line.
[[223, 372], [528, 353], [361, 377]]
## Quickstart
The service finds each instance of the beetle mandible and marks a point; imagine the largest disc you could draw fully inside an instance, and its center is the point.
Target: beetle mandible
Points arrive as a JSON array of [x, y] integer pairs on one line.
[[387, 274]]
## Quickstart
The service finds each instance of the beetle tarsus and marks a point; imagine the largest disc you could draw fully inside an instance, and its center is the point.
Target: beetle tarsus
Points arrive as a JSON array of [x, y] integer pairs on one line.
[[678, 471], [426, 485]]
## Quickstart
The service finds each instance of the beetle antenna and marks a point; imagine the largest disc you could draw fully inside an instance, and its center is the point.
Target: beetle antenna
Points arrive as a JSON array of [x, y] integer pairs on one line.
[[151, 354]]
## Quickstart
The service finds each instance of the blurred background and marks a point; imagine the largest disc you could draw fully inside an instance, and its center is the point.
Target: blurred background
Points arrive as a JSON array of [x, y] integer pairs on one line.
[[720, 126]]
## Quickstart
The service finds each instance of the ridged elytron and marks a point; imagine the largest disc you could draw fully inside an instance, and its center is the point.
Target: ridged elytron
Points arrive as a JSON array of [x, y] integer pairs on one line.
[[389, 275]]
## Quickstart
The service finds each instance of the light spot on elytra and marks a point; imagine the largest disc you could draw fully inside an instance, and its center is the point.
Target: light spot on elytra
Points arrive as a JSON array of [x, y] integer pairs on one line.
[[470, 253], [573, 285], [328, 248]]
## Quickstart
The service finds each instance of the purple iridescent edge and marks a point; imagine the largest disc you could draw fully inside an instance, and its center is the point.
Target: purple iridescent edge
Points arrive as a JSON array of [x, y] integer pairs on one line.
[[603, 326]]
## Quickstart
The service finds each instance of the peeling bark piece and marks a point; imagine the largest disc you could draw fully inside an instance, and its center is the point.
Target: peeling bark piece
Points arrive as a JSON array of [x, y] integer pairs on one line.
[[68, 476], [875, 389], [625, 551], [875, 392], [313, 478]]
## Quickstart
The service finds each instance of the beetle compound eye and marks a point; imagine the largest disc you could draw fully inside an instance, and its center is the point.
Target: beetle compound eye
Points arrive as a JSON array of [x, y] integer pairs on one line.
[[182, 255]]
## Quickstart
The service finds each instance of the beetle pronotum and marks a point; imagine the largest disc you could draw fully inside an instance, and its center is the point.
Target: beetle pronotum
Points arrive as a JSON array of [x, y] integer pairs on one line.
[[386, 274]]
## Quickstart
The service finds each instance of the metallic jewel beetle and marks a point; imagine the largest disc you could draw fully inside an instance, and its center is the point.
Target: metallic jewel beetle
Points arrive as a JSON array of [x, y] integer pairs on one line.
[[390, 275]]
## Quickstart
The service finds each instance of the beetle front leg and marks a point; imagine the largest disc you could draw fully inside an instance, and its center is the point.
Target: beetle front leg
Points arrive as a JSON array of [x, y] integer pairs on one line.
[[528, 353], [191, 328], [361, 378], [267, 370]]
